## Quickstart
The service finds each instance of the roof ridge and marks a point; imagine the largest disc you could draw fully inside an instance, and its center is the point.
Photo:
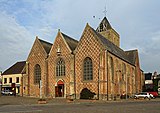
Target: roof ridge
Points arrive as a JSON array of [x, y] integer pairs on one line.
[[44, 41], [71, 42], [69, 37], [16, 68]]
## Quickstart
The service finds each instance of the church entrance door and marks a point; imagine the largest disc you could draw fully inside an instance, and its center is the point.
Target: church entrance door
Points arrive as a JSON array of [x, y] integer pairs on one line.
[[59, 89]]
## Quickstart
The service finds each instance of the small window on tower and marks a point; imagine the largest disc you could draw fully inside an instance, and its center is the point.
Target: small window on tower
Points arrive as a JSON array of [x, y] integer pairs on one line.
[[101, 27]]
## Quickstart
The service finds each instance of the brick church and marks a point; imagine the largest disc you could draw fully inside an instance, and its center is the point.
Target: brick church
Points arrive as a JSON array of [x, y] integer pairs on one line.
[[94, 64]]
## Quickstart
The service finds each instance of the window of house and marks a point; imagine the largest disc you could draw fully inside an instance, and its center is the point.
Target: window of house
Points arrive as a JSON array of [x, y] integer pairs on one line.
[[60, 67], [10, 80], [88, 69], [17, 79], [37, 74], [5, 80]]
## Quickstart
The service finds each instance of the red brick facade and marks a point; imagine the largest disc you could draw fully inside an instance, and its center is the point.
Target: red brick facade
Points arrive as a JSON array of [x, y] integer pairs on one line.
[[114, 72]]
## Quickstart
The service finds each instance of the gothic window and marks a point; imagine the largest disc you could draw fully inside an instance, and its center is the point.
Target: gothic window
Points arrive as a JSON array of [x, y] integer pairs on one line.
[[88, 69], [60, 67], [37, 74]]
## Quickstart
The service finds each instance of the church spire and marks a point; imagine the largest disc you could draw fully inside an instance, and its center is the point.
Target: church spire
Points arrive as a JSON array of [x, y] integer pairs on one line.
[[106, 30]]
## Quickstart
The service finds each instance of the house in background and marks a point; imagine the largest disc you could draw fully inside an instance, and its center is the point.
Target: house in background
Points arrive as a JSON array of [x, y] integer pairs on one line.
[[148, 82], [12, 77]]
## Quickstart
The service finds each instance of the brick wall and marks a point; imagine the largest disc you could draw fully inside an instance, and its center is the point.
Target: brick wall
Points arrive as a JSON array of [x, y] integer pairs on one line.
[[69, 72]]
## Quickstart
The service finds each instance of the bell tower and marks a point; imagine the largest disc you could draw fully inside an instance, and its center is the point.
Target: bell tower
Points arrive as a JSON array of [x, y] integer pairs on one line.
[[106, 30]]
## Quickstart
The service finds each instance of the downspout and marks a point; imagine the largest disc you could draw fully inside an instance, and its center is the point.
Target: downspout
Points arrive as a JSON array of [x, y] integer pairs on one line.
[[46, 77]]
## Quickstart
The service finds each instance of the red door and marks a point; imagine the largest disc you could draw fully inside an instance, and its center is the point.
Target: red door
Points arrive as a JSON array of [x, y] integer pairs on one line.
[[59, 89]]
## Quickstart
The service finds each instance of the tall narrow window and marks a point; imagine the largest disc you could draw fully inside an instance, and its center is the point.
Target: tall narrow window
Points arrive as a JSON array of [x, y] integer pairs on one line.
[[5, 80], [88, 70], [17, 79], [37, 74], [10, 80], [60, 68]]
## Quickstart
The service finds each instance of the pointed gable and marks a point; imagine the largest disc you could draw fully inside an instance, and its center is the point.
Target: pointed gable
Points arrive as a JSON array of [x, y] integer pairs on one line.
[[108, 32], [40, 47], [15, 69], [104, 25]]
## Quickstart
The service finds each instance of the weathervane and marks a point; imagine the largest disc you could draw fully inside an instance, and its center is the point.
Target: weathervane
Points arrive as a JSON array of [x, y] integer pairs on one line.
[[105, 11]]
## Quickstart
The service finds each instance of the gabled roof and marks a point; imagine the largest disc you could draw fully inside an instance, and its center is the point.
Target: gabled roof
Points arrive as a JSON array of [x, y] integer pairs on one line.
[[112, 47], [72, 43], [104, 25], [46, 45], [15, 69]]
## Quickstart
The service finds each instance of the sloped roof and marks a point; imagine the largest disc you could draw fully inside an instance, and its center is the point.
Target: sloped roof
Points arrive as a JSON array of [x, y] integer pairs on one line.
[[104, 25], [46, 45], [113, 48], [72, 43], [15, 69], [132, 55]]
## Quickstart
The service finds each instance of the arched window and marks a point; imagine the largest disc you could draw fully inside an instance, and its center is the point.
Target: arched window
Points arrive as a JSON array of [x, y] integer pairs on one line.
[[37, 74], [88, 70], [60, 67]]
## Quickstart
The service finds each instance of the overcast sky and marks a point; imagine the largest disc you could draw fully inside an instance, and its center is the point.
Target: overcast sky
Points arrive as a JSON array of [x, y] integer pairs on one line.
[[137, 22]]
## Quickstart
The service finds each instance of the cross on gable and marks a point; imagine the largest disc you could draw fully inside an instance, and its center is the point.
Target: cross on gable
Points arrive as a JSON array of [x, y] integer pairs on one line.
[[105, 11]]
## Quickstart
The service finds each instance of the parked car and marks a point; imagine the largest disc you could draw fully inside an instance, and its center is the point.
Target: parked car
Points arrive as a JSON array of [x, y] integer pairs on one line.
[[144, 95], [151, 96], [154, 93], [6, 92]]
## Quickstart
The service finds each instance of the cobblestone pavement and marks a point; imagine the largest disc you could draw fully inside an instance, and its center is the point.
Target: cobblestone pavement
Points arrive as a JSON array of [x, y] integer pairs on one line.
[[12, 100], [11, 104]]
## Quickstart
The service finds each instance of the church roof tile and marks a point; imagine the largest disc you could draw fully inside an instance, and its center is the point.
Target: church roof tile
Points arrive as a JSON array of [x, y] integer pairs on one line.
[[72, 43], [46, 45]]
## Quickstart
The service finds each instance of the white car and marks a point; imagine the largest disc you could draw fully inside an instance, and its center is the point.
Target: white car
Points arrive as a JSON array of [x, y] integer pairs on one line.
[[7, 92], [144, 95]]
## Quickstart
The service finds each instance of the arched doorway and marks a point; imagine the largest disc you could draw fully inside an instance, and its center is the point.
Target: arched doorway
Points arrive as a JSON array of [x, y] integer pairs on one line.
[[59, 89]]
